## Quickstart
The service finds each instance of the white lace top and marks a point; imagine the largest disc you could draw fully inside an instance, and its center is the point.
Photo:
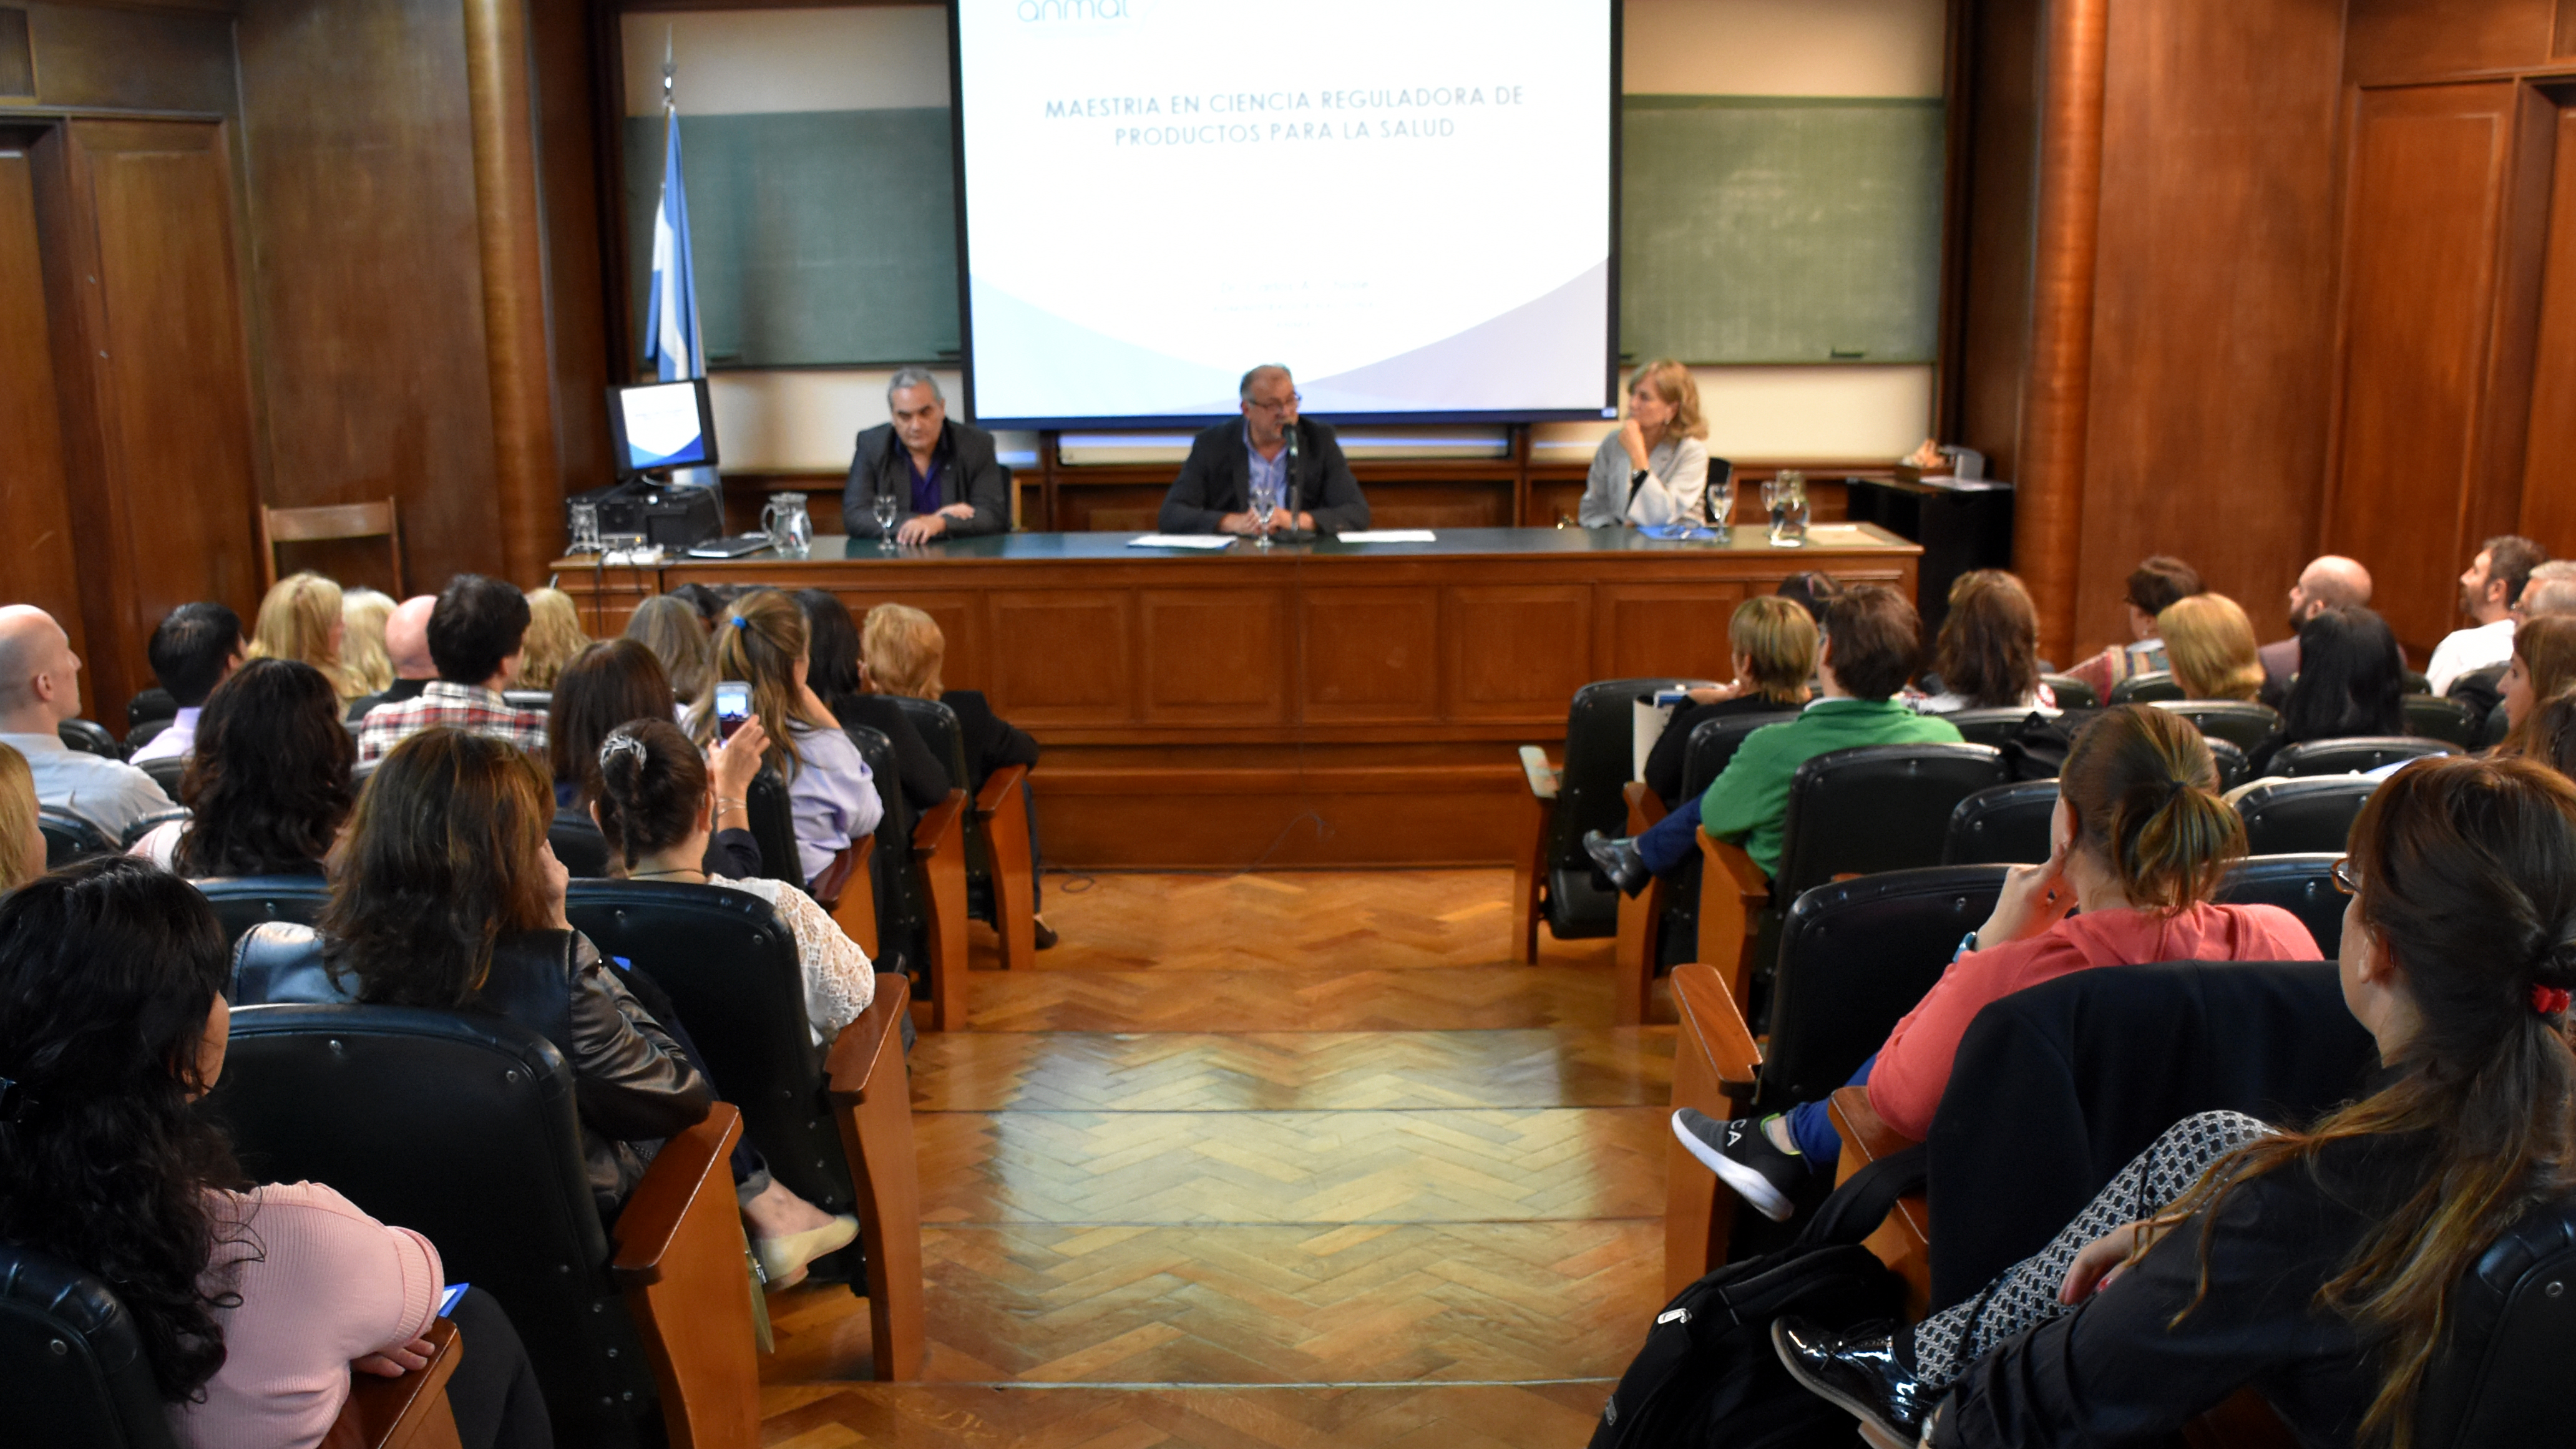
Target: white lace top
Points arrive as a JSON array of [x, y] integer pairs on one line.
[[840, 981]]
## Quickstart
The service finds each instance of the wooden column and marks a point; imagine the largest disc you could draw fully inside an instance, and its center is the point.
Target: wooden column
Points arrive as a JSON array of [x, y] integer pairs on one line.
[[526, 467], [2056, 389]]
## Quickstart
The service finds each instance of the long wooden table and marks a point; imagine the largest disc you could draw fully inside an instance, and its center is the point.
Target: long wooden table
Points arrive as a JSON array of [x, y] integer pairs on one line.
[[1322, 704]]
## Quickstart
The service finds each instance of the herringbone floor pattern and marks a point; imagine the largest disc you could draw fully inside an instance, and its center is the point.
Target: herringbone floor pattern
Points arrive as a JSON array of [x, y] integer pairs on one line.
[[1266, 1162]]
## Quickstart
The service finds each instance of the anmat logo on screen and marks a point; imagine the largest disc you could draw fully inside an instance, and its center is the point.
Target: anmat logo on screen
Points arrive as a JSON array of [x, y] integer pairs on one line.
[[1034, 12]]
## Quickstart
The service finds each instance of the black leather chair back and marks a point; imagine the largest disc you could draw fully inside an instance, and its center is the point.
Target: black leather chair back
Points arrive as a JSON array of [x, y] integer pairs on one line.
[[2354, 754], [1876, 807], [773, 826], [946, 737], [2499, 724], [2071, 692], [1713, 743], [2002, 825], [461, 1127], [2303, 885], [68, 837], [1991, 726], [731, 968], [144, 734], [2233, 768], [1855, 956], [2246, 726], [539, 700], [148, 706], [72, 1370], [2146, 688], [89, 737], [903, 919], [244, 901], [165, 772], [2439, 717], [1600, 759], [578, 843], [2295, 817], [2495, 1380]]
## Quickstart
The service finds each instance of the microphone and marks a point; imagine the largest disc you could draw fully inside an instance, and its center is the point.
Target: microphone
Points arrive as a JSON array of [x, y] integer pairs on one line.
[[1291, 471]]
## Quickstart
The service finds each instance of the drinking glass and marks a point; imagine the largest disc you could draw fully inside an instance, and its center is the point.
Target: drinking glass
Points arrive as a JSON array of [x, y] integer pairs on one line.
[[886, 508], [585, 528], [1786, 498], [1265, 500]]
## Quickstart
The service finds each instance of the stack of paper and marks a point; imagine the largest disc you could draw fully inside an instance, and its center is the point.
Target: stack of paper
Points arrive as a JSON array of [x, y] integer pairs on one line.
[[1181, 540], [1389, 535]]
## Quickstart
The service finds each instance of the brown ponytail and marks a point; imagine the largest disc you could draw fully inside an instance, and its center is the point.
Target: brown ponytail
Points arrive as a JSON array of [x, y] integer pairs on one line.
[[652, 783], [2144, 789]]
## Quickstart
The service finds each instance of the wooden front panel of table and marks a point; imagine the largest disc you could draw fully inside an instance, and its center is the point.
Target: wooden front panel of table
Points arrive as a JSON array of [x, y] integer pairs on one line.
[[1324, 705]]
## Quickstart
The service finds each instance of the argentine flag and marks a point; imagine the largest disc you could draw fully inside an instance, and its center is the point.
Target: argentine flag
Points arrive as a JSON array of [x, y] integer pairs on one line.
[[672, 337]]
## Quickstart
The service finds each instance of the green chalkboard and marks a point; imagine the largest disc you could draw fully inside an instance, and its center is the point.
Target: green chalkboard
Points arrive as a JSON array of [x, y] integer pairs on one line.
[[820, 237], [1759, 229]]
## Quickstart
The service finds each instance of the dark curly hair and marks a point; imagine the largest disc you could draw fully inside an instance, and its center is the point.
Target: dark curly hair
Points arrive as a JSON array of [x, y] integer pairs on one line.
[[269, 780], [445, 856], [108, 969]]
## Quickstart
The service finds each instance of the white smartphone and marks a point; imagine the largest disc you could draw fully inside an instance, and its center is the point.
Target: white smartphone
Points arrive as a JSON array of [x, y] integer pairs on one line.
[[733, 706]]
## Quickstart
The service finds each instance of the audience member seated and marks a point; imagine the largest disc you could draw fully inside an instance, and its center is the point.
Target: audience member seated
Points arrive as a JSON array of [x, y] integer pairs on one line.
[[1811, 591], [1873, 643], [1773, 643], [2330, 582], [253, 1306], [2138, 844], [2488, 592], [363, 613], [406, 654], [2543, 667], [832, 655], [2313, 1265], [2154, 586], [900, 652], [2551, 589], [301, 619], [22, 840], [39, 689], [1987, 653], [1654, 467], [2210, 645], [2352, 681], [829, 790], [447, 897], [268, 788], [196, 648], [669, 625], [611, 683], [2551, 738], [477, 631], [554, 637]]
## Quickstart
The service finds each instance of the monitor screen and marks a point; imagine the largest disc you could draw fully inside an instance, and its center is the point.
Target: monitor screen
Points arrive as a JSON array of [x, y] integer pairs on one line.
[[662, 425], [1410, 206]]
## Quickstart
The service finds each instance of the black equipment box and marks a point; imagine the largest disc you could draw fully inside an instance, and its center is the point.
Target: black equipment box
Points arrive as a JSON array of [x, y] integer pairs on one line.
[[674, 518]]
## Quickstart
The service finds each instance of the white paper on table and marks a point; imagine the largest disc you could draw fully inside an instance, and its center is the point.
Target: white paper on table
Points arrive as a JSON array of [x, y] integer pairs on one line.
[[1389, 535], [1182, 540]]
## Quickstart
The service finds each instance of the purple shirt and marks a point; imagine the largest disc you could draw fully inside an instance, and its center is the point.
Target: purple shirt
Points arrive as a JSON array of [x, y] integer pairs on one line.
[[925, 486], [832, 797]]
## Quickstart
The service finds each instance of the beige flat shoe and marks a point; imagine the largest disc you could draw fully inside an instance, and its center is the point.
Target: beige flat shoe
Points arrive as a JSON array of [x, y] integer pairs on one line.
[[783, 1260]]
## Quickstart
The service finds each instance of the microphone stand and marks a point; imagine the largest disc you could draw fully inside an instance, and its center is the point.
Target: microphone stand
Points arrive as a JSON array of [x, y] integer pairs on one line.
[[1292, 533]]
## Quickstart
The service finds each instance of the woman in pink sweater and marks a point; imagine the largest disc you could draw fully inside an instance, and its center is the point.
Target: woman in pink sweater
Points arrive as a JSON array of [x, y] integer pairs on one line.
[[2138, 845], [254, 1306]]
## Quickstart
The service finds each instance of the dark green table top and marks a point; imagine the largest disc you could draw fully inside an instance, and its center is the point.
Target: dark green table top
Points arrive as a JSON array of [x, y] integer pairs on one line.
[[1447, 542]]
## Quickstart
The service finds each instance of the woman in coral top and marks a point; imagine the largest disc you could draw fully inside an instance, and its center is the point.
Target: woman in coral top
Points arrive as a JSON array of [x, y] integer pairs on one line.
[[2138, 845], [253, 1304]]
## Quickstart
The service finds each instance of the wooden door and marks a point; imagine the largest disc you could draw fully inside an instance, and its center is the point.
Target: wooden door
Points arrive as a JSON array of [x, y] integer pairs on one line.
[[36, 562], [150, 356], [2549, 455]]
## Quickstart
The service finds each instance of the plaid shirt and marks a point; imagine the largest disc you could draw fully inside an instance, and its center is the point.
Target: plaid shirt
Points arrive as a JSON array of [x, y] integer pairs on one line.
[[468, 707]]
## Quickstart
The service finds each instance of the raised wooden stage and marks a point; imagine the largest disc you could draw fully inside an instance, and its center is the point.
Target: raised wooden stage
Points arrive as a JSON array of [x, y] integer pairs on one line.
[[1324, 704]]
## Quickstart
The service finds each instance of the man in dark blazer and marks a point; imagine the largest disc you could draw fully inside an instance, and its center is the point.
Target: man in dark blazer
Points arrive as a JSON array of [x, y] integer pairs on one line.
[[944, 475], [1214, 492]]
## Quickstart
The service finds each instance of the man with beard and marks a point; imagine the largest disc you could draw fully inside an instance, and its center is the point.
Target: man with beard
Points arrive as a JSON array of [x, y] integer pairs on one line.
[[2488, 592], [2326, 583]]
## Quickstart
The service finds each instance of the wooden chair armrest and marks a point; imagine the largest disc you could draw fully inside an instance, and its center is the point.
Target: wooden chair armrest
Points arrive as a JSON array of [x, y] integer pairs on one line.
[[681, 1261], [1644, 806], [1733, 894], [1543, 777], [828, 883], [872, 1104], [1714, 1064], [939, 853], [410, 1412], [940, 826], [1003, 808], [855, 912], [1904, 1241], [1713, 1032], [1529, 864]]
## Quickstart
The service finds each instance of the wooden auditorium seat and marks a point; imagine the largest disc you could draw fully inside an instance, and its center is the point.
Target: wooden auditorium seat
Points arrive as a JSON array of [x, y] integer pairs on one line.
[[1553, 880], [993, 834], [1904, 1241], [1714, 1062], [380, 519]]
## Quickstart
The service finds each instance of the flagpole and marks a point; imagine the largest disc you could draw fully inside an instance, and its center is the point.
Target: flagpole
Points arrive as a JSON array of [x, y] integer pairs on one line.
[[694, 364]]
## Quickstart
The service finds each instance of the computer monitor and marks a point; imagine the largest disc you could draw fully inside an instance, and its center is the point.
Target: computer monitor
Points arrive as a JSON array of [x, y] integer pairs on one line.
[[662, 425]]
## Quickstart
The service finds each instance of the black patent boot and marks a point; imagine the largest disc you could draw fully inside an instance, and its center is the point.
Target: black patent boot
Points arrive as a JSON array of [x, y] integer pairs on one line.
[[1857, 1372]]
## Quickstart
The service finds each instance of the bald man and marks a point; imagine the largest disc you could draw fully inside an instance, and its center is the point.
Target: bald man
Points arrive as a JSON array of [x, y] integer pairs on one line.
[[2326, 583], [39, 689], [407, 645]]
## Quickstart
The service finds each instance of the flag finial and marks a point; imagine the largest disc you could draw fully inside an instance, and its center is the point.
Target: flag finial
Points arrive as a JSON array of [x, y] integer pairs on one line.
[[670, 72]]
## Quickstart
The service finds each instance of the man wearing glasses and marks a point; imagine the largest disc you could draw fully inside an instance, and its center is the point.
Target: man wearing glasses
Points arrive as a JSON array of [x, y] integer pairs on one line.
[[1214, 492]]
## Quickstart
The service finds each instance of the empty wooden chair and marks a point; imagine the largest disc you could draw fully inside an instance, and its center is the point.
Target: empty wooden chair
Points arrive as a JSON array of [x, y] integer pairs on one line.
[[379, 519]]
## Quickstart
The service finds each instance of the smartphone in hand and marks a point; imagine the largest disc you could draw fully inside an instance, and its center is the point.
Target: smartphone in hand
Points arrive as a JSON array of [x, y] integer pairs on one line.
[[733, 706]]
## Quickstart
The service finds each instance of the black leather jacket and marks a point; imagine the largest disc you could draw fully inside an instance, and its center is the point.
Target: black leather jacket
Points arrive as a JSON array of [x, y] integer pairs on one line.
[[632, 1085]]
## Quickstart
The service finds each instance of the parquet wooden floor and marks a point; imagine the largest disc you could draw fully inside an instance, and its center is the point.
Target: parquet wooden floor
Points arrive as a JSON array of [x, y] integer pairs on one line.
[[1268, 1161]]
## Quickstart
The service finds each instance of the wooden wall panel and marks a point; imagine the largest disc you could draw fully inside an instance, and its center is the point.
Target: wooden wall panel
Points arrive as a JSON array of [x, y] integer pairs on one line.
[[2426, 197], [1062, 659], [368, 281], [2548, 509], [2004, 81], [36, 554], [1648, 629], [2398, 40], [2213, 302], [1214, 656], [112, 57], [568, 151], [1369, 655], [1515, 652]]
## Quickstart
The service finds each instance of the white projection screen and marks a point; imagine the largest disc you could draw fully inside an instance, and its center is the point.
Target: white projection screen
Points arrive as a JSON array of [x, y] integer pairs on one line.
[[1410, 203]]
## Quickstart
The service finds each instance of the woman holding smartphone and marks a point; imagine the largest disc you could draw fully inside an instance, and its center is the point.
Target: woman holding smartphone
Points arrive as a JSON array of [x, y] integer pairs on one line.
[[760, 666]]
